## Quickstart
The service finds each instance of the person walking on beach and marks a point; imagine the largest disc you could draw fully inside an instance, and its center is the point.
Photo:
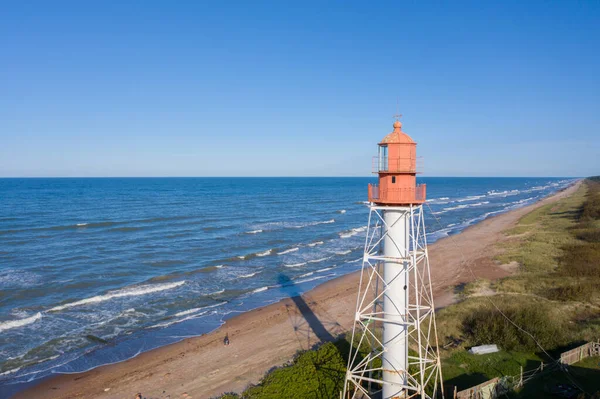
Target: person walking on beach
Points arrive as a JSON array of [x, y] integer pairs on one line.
[[226, 340]]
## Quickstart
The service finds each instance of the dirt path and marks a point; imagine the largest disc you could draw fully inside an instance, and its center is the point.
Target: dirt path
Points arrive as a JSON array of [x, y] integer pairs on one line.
[[267, 337]]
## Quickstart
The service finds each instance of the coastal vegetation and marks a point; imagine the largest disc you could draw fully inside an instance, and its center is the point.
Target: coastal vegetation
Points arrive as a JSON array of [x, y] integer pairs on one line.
[[551, 304], [315, 373]]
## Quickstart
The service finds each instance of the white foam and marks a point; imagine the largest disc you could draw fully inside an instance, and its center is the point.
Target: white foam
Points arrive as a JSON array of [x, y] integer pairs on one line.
[[261, 289], [317, 260], [437, 199], [267, 252], [343, 252], [81, 224], [352, 232], [309, 279], [187, 312], [312, 244], [470, 198], [342, 211], [463, 206], [133, 291], [306, 274], [194, 310], [296, 264], [324, 270], [479, 203], [10, 371], [523, 200], [254, 231], [219, 266], [505, 193], [326, 222], [300, 226], [217, 292], [7, 325], [248, 275], [456, 207], [168, 323], [287, 251]]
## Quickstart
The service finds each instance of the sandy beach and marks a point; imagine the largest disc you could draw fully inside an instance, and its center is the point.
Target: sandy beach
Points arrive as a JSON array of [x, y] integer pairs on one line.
[[268, 337]]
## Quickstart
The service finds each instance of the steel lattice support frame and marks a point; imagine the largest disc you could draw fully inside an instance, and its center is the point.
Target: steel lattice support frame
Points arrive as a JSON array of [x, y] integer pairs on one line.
[[365, 375]]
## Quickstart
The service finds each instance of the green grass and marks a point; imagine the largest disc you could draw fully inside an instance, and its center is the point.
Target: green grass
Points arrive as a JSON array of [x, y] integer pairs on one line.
[[540, 235], [557, 249], [585, 374], [464, 370]]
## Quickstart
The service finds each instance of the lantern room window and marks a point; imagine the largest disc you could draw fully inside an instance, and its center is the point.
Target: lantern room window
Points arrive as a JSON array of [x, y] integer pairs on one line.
[[383, 157]]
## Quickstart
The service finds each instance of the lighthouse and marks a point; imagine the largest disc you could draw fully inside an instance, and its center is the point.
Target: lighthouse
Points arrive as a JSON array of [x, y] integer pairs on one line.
[[394, 316]]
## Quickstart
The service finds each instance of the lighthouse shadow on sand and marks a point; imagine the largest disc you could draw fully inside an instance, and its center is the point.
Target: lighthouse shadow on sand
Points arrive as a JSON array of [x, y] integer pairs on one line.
[[310, 329]]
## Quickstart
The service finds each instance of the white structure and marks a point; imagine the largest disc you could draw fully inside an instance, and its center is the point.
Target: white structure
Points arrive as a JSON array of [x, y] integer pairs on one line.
[[395, 351]]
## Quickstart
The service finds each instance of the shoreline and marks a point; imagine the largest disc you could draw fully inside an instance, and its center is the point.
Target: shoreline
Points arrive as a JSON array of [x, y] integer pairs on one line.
[[269, 336]]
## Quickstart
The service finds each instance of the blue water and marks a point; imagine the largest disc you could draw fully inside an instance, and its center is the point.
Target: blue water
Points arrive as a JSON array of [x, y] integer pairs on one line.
[[142, 263]]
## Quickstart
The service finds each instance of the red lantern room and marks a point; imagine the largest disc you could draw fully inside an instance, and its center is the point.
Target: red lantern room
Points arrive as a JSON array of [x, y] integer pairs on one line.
[[396, 166]]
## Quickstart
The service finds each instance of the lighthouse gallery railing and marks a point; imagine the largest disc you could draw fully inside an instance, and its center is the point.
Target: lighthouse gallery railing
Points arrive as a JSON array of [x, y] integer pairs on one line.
[[407, 195]]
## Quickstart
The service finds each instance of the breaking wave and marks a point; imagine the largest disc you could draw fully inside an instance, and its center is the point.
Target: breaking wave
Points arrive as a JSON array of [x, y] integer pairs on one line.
[[343, 252], [296, 264], [324, 269], [134, 291], [248, 275], [194, 310], [7, 325], [287, 251], [352, 232]]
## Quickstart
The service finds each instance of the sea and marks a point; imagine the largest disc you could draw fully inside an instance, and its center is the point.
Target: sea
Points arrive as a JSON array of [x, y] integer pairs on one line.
[[98, 270]]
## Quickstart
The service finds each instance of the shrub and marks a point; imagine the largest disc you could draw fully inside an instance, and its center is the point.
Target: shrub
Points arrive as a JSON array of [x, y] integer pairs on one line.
[[315, 374], [591, 208], [581, 260], [589, 235], [488, 326], [577, 292]]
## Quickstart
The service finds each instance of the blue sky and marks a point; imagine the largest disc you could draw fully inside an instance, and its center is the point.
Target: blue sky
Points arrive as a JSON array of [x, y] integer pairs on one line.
[[285, 88]]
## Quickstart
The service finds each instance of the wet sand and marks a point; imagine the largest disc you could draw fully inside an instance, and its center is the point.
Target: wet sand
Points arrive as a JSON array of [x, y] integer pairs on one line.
[[268, 337]]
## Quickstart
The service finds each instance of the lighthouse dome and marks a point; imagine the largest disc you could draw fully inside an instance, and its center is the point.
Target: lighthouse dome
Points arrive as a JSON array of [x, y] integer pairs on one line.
[[397, 136]]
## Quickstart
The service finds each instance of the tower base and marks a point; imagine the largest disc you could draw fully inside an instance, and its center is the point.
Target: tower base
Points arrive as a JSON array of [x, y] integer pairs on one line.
[[394, 350]]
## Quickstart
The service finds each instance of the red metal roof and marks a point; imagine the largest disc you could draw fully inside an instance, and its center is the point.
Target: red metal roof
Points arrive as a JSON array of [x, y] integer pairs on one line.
[[397, 136]]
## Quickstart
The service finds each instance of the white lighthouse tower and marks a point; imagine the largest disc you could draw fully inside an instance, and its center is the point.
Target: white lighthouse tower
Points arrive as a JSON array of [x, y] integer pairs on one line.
[[395, 351]]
